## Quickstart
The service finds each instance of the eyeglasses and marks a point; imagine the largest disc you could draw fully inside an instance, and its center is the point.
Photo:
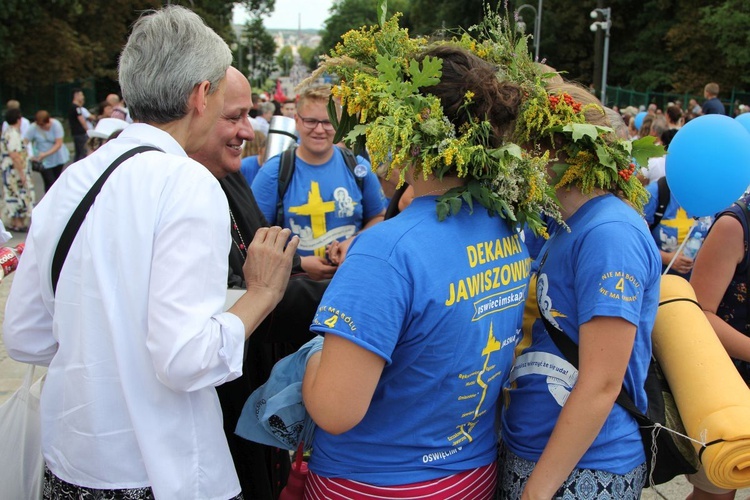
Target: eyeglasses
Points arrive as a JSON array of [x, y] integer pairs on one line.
[[311, 123]]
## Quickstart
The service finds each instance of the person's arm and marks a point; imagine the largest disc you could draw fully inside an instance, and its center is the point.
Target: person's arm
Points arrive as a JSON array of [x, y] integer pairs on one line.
[[339, 384], [605, 347], [27, 327], [192, 343], [18, 164], [722, 250], [82, 119], [373, 220], [55, 147]]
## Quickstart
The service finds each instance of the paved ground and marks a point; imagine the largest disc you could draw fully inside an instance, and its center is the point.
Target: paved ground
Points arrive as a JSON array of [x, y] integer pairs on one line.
[[12, 373]]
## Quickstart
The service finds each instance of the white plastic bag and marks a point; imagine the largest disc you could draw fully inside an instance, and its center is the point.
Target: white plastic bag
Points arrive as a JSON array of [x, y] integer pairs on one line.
[[21, 461]]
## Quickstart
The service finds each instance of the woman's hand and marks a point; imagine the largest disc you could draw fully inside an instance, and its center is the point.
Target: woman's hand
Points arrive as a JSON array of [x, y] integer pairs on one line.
[[681, 264], [337, 251], [317, 268]]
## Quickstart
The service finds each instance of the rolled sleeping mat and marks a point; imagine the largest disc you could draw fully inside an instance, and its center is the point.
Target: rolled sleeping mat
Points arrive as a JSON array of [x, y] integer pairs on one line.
[[712, 397], [282, 133]]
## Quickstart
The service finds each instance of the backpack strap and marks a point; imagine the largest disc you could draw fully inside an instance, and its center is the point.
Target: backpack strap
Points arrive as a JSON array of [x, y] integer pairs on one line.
[[351, 162], [287, 164], [286, 170], [76, 220], [664, 196]]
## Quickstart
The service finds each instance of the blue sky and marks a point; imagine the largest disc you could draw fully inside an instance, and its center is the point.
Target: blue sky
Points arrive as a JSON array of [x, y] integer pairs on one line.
[[288, 14]]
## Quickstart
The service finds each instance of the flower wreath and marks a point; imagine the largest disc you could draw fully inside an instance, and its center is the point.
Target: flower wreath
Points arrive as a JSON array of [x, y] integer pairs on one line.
[[382, 109]]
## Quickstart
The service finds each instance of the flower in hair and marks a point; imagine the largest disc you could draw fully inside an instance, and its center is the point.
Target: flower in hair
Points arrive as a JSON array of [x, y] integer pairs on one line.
[[382, 73]]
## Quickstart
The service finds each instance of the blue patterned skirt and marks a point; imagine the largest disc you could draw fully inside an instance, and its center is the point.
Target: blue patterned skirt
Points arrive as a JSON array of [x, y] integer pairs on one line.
[[57, 489], [582, 484]]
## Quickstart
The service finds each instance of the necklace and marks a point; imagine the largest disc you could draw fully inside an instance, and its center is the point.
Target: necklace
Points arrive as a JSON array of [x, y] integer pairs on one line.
[[236, 229], [443, 189]]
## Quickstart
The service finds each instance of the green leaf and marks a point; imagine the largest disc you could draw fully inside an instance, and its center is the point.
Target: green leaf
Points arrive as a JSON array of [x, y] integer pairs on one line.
[[356, 134], [466, 195], [512, 149], [388, 69], [581, 130], [605, 158], [382, 11], [442, 210], [455, 205], [559, 169], [429, 74], [333, 113], [644, 148], [506, 210], [345, 125]]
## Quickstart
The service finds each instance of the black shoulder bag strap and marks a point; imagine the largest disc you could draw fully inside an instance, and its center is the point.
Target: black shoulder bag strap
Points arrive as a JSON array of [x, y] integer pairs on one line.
[[569, 349], [74, 224]]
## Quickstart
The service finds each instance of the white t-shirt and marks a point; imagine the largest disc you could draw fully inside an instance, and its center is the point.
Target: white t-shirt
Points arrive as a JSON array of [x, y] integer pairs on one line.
[[656, 169]]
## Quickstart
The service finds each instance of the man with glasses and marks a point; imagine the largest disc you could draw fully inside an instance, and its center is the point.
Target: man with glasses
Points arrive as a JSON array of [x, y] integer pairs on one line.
[[323, 202]]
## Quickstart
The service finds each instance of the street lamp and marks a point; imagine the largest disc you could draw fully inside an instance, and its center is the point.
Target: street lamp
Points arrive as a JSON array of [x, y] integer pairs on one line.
[[603, 25], [537, 24]]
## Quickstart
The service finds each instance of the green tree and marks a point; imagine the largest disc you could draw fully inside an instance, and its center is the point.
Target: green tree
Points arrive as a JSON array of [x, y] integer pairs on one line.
[[285, 60], [353, 14], [261, 48], [63, 41], [430, 16], [43, 42], [308, 56]]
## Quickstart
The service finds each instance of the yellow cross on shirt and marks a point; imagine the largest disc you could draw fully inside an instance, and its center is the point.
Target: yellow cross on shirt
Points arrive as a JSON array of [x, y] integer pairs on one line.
[[681, 222], [317, 209]]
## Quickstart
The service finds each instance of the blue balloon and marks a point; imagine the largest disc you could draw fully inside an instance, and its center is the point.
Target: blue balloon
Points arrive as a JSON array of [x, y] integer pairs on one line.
[[708, 164], [744, 119], [639, 119]]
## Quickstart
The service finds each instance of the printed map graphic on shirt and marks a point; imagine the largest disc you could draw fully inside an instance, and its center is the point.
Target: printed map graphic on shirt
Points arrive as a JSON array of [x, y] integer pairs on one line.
[[316, 237], [477, 379]]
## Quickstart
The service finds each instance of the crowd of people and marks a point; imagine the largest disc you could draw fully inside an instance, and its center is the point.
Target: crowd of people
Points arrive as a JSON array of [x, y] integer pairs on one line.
[[432, 382]]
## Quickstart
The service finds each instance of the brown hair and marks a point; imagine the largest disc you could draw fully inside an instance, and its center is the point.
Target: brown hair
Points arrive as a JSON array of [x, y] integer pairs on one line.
[[42, 117], [12, 115], [674, 113], [593, 115], [254, 147], [495, 101], [318, 93]]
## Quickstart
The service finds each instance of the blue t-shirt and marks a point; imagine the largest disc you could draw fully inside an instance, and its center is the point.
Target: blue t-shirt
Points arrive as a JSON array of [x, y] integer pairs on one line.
[[674, 225], [43, 140], [713, 106], [322, 203], [607, 265], [443, 308], [249, 167]]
